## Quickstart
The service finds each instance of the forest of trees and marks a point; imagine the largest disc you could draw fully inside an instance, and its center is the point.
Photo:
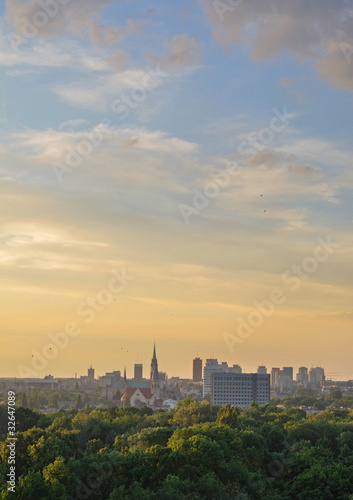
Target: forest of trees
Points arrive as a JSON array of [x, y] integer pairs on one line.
[[197, 451]]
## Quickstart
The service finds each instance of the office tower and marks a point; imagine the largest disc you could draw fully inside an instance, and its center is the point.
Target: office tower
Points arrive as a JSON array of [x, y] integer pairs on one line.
[[90, 373], [316, 376], [283, 382], [274, 373], [138, 371], [210, 367], [262, 370], [239, 389], [302, 376], [288, 371], [197, 370]]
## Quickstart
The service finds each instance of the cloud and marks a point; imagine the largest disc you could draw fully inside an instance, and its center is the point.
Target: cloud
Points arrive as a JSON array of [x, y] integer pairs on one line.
[[319, 30], [73, 123], [75, 17], [101, 90], [180, 51], [118, 59], [286, 82]]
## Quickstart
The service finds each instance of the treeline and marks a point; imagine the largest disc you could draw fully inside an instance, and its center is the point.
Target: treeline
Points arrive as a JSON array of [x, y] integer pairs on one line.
[[198, 451], [39, 399], [311, 397]]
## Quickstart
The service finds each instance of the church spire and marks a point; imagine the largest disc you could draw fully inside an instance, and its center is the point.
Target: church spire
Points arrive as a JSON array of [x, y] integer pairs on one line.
[[154, 366], [125, 374]]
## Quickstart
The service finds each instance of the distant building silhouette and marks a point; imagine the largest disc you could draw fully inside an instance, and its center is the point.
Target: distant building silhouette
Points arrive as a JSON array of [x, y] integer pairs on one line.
[[90, 373], [282, 380], [302, 376], [154, 378], [138, 367], [274, 373], [262, 370], [197, 370], [316, 376], [288, 371]]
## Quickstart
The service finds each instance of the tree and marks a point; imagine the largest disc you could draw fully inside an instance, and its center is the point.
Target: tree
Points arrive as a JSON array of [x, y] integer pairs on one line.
[[79, 403], [26, 419], [53, 401], [22, 401], [126, 402], [228, 416], [335, 395], [32, 486]]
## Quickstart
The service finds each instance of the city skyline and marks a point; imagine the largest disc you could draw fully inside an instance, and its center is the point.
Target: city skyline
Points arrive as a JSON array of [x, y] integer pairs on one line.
[[138, 368], [178, 174]]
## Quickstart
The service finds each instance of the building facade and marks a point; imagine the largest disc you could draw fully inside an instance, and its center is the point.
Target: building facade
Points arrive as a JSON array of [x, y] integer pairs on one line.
[[197, 370], [210, 367], [240, 389]]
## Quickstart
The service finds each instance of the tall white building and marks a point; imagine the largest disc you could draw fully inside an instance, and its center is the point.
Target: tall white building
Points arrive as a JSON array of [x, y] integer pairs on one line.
[[210, 367], [240, 389]]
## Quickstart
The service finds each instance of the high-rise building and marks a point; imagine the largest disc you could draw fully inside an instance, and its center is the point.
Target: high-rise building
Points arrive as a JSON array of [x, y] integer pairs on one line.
[[274, 373], [90, 373], [288, 371], [316, 376], [210, 367], [262, 370], [197, 370], [283, 382], [138, 371], [239, 389], [302, 376]]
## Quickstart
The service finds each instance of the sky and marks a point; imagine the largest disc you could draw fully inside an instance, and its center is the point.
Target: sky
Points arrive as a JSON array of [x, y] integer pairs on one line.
[[178, 173]]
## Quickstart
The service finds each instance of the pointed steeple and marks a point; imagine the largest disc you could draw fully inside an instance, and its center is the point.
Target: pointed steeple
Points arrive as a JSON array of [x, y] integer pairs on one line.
[[125, 374], [154, 377]]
